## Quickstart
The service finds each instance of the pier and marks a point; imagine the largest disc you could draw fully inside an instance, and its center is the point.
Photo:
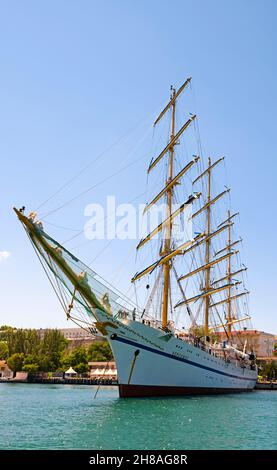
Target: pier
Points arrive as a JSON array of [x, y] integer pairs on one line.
[[266, 386], [71, 381]]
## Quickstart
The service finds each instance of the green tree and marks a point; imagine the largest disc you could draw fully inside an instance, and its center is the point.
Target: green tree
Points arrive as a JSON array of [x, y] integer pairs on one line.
[[268, 370], [31, 359], [32, 368], [52, 346], [15, 362], [80, 355], [44, 363], [32, 342], [100, 351], [199, 332], [271, 370], [4, 350], [25, 341], [81, 368], [77, 356], [15, 340], [53, 340], [6, 327]]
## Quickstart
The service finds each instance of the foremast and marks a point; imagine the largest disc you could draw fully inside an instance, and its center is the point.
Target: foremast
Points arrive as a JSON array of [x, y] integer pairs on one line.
[[168, 228], [167, 252]]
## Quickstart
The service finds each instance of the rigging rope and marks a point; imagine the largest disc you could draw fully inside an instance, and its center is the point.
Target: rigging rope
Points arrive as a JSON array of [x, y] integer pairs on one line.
[[80, 232], [91, 188], [73, 178]]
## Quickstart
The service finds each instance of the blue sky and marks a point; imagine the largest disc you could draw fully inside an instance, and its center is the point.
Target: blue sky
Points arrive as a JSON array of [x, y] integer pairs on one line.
[[75, 76]]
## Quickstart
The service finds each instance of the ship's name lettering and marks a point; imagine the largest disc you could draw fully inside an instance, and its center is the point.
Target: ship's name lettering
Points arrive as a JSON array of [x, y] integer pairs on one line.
[[142, 337]]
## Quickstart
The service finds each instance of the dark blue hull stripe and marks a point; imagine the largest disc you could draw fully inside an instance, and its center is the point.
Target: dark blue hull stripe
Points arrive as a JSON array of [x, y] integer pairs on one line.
[[180, 359]]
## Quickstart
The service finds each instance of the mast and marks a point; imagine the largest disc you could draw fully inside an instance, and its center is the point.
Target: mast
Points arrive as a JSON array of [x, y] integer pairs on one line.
[[229, 270], [168, 228], [207, 256]]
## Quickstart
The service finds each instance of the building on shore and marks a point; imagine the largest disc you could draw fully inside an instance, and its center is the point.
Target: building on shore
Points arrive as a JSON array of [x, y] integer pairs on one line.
[[21, 376], [5, 372], [77, 336], [262, 343]]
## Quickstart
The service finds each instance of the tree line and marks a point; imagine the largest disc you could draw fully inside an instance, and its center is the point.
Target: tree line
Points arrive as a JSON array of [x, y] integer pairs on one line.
[[30, 351], [268, 370]]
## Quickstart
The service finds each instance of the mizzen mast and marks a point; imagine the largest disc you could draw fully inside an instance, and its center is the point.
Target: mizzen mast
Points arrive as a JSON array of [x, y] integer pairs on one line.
[[230, 274]]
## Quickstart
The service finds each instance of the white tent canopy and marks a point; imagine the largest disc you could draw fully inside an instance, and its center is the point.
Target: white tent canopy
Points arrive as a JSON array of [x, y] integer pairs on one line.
[[96, 372], [71, 371], [110, 372]]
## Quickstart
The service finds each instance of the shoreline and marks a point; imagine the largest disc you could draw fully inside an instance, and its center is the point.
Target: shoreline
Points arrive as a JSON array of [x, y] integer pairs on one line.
[[271, 386], [81, 381]]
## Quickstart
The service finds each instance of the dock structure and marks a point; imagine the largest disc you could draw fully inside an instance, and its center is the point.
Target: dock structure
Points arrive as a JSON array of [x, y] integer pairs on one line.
[[71, 380], [266, 385]]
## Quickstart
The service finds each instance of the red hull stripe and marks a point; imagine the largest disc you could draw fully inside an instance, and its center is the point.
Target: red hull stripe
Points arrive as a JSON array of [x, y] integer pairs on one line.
[[176, 358], [129, 391]]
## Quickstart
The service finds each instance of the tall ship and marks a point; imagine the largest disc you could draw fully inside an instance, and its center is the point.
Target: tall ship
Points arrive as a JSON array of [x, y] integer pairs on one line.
[[185, 338]]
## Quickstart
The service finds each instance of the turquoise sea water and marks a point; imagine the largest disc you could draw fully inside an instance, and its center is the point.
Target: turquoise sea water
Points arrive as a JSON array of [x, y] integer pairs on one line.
[[35, 416]]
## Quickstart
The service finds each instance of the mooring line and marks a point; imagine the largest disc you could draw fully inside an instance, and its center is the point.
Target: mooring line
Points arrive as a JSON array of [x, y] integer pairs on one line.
[[99, 385], [136, 353]]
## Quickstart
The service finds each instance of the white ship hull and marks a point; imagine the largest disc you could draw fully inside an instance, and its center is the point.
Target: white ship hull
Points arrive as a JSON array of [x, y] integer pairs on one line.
[[152, 363]]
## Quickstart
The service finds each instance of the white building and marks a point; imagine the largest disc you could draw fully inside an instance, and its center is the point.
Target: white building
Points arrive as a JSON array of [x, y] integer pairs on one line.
[[75, 334]]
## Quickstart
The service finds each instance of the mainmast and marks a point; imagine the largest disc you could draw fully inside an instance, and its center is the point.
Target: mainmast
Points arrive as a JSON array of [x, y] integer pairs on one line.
[[207, 256], [168, 228]]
